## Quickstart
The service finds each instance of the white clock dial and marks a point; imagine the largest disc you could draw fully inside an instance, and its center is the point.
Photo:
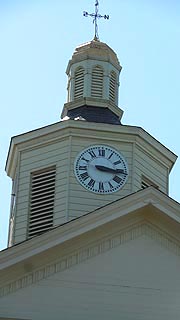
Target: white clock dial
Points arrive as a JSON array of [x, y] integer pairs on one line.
[[101, 169]]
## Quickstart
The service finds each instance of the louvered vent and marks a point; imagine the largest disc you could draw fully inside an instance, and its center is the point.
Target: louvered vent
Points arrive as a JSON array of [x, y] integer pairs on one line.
[[79, 83], [97, 82], [145, 183], [112, 87], [42, 201]]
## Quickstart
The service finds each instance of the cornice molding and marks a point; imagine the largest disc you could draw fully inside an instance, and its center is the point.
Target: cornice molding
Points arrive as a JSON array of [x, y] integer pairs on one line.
[[90, 101], [50, 133], [137, 203], [142, 228]]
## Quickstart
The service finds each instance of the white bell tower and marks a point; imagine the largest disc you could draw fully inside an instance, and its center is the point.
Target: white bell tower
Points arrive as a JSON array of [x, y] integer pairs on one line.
[[71, 168]]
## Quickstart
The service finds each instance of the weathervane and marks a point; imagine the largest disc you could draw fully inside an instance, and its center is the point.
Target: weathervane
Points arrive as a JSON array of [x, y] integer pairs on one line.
[[95, 17]]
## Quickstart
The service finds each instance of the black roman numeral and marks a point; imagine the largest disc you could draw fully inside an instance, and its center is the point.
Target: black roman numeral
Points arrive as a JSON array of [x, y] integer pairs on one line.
[[117, 162], [111, 186], [91, 183], [84, 175], [92, 154], [101, 152], [101, 186], [117, 179], [85, 159], [110, 155], [82, 167]]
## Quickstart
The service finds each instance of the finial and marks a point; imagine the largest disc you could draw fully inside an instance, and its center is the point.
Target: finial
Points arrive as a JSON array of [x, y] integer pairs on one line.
[[95, 17]]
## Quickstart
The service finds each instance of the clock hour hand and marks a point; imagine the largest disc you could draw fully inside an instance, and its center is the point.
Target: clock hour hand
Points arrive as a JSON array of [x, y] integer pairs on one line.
[[107, 169]]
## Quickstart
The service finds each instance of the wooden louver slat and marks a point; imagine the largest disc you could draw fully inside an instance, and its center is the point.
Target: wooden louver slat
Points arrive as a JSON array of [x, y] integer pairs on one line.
[[112, 87], [145, 183], [42, 201], [79, 83], [97, 82]]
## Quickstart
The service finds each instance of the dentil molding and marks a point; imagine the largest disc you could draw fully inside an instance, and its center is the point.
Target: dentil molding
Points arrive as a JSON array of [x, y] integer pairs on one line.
[[83, 254]]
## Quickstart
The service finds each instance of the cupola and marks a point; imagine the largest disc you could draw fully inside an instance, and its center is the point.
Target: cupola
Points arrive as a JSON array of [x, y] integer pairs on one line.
[[93, 84]]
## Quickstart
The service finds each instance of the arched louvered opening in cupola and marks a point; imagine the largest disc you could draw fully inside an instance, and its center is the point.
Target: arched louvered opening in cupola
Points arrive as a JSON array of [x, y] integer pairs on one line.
[[112, 86], [79, 83], [97, 82]]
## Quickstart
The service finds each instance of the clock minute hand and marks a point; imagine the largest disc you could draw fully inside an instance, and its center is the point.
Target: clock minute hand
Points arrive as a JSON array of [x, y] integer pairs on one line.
[[107, 169]]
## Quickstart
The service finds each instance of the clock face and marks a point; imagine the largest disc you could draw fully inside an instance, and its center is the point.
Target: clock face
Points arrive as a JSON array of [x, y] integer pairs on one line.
[[101, 169]]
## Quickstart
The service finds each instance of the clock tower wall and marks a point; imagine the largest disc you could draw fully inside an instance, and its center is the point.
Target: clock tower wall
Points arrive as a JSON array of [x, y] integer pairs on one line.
[[46, 191], [150, 170], [39, 168], [149, 163]]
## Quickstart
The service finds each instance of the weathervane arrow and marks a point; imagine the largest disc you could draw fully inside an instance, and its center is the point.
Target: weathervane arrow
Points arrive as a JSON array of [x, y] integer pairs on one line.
[[95, 17]]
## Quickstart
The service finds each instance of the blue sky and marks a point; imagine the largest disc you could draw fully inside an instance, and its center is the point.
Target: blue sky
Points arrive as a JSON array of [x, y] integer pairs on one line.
[[37, 39]]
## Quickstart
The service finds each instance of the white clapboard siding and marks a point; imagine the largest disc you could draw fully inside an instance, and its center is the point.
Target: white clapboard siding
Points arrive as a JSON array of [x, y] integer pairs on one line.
[[142, 157], [60, 145], [71, 199], [151, 168], [40, 158]]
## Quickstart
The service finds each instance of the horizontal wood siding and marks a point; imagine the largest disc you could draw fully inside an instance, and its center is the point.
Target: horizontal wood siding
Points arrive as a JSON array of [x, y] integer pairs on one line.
[[71, 199], [55, 154], [145, 164]]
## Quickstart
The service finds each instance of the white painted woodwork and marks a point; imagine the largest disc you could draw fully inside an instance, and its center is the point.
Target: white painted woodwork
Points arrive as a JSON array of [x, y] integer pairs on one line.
[[90, 73], [121, 262], [138, 280], [111, 256], [58, 145], [150, 167]]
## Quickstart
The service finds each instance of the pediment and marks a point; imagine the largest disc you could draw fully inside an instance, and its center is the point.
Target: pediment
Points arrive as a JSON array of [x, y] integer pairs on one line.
[[134, 267], [146, 215]]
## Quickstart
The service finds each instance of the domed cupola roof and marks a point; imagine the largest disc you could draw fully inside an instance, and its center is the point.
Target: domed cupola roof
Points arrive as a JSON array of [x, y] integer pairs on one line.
[[95, 50], [93, 84]]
